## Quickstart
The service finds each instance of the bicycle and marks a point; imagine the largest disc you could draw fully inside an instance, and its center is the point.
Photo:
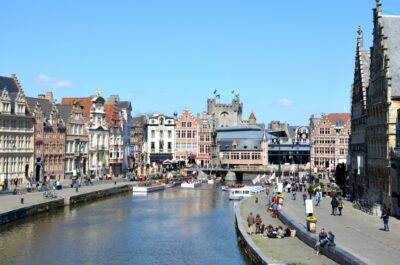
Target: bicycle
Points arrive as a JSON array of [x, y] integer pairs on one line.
[[49, 194]]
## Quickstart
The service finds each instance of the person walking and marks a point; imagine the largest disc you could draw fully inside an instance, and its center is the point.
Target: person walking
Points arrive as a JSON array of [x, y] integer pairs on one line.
[[385, 217], [317, 198], [250, 223], [304, 198], [341, 205], [258, 224], [294, 194], [334, 204]]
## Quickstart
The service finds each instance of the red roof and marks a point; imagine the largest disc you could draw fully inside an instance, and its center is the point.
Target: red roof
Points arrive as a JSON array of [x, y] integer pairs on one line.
[[85, 102]]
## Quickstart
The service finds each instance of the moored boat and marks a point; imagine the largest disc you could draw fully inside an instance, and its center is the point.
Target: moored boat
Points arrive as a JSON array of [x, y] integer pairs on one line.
[[247, 191], [146, 189], [191, 185]]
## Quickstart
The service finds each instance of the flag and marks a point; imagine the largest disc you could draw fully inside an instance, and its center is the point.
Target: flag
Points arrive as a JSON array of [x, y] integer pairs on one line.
[[233, 92], [256, 179], [215, 92]]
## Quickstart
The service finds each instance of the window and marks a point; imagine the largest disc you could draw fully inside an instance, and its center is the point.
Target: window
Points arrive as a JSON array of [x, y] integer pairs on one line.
[[183, 134], [153, 133], [189, 134], [152, 146], [184, 124], [169, 134], [178, 134], [161, 146], [169, 146], [189, 124], [161, 134]]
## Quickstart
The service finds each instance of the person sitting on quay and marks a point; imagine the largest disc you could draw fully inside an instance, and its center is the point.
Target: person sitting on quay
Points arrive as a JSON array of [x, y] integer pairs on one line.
[[279, 232], [288, 233], [325, 239]]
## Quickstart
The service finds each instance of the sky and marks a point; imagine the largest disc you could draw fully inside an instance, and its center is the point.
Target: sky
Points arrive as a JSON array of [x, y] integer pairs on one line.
[[286, 59]]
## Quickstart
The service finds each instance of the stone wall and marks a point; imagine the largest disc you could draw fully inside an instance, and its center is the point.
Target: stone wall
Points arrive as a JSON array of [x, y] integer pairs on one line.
[[30, 210], [336, 254]]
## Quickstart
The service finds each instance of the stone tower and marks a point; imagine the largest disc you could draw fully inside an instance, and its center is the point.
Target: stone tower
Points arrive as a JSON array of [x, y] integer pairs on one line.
[[225, 115]]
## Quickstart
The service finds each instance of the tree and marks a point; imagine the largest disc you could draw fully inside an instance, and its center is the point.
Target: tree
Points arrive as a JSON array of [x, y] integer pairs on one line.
[[340, 175]]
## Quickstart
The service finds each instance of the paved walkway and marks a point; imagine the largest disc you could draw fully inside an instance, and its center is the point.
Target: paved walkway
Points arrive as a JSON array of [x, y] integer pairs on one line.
[[357, 232], [286, 250], [13, 202]]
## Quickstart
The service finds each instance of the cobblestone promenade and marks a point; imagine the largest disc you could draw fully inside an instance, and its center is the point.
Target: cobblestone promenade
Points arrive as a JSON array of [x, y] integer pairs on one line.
[[357, 232]]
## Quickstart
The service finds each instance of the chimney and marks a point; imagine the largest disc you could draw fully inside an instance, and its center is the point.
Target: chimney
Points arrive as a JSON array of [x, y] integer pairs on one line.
[[49, 96]]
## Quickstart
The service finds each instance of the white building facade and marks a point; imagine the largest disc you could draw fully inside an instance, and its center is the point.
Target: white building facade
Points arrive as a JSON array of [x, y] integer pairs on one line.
[[160, 138], [98, 139]]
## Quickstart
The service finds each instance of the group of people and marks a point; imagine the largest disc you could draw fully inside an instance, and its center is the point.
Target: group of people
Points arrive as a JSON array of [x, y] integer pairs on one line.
[[325, 239], [266, 230], [337, 204]]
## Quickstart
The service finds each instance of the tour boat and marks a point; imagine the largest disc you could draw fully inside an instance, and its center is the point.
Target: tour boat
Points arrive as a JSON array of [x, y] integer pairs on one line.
[[225, 188], [191, 185], [247, 191], [145, 189]]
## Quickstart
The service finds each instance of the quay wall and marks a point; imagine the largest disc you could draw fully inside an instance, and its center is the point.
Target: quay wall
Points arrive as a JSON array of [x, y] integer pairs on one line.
[[336, 253], [90, 196], [30, 210], [249, 247], [79, 198]]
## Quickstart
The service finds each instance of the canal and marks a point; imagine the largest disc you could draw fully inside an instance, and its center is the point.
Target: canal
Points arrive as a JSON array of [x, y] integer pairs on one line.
[[174, 226]]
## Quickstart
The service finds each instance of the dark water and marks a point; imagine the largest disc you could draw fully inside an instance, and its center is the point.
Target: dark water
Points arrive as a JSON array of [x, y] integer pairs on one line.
[[174, 226]]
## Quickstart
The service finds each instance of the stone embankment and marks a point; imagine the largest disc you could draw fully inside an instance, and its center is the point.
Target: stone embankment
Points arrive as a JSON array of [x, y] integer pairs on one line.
[[14, 207]]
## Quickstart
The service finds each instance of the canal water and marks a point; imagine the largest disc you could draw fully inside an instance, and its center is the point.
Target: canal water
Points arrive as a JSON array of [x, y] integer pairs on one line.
[[174, 226]]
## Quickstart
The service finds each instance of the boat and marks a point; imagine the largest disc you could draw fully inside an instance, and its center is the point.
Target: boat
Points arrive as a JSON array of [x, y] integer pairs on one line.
[[191, 185], [170, 185], [146, 189], [213, 180], [234, 186], [244, 192]]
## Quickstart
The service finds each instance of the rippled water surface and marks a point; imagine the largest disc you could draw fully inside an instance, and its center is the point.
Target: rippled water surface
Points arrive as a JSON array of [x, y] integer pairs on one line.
[[174, 226]]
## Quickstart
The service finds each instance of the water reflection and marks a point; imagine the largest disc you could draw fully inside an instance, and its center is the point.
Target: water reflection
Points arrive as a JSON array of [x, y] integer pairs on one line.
[[171, 227]]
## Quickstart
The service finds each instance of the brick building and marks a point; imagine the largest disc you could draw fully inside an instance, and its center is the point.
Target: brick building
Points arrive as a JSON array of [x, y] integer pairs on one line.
[[330, 140], [50, 132], [205, 131], [74, 112], [186, 141]]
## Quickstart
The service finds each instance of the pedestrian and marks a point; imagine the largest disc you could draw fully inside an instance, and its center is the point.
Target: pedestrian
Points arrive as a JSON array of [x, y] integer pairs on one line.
[[304, 198], [341, 205], [385, 217], [294, 194], [317, 198], [250, 223], [258, 224], [334, 204], [310, 192]]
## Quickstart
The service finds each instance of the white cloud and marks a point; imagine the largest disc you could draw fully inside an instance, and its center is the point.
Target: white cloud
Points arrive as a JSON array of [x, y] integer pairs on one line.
[[51, 82], [285, 102]]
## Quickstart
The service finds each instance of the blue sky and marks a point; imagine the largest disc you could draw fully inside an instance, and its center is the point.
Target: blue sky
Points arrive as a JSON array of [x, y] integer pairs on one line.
[[287, 59]]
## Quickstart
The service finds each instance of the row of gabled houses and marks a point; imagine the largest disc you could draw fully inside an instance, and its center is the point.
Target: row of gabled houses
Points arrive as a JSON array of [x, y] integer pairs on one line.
[[375, 115], [78, 137]]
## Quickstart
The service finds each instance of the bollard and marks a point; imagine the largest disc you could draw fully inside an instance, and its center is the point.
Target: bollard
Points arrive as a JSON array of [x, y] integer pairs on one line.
[[76, 188], [22, 200]]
